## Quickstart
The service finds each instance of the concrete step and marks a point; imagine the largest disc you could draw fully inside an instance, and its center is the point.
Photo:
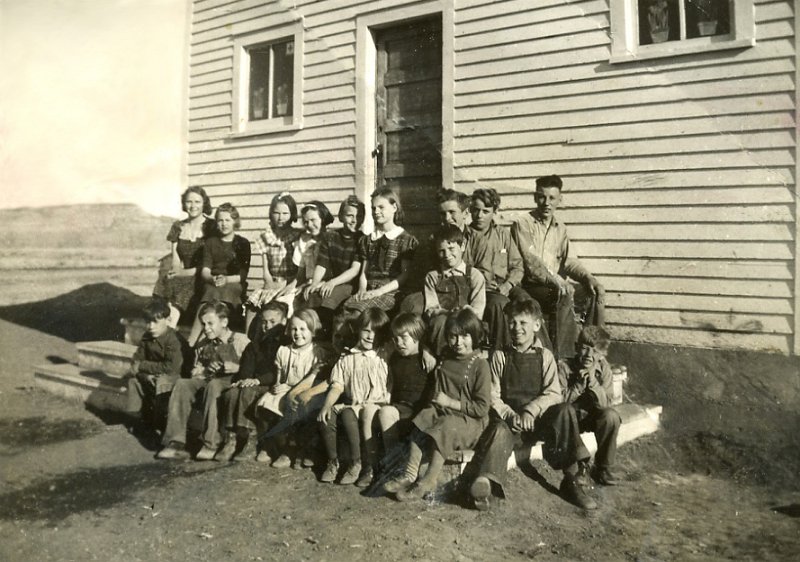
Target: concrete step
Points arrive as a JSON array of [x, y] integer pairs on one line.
[[111, 357], [93, 387], [636, 421]]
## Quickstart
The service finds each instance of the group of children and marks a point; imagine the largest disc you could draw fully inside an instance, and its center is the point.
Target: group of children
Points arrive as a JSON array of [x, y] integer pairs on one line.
[[339, 339]]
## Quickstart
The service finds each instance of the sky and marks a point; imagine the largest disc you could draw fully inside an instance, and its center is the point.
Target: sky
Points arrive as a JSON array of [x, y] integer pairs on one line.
[[91, 102]]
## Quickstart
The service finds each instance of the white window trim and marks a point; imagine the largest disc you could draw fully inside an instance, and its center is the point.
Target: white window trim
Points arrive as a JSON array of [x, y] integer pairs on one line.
[[366, 55], [625, 34], [241, 126]]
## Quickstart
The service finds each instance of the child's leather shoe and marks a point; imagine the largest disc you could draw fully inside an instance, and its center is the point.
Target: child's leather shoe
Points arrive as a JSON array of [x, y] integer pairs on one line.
[[351, 474], [396, 485], [365, 478], [331, 470], [480, 491], [282, 461], [574, 493], [603, 476], [205, 454], [172, 451], [263, 456], [226, 453]]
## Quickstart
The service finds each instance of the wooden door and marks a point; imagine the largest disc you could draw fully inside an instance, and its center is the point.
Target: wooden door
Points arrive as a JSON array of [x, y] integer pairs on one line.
[[409, 117]]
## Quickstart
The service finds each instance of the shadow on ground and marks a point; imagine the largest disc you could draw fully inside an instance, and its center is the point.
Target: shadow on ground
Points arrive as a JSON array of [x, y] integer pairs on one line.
[[54, 499], [90, 313], [38, 430]]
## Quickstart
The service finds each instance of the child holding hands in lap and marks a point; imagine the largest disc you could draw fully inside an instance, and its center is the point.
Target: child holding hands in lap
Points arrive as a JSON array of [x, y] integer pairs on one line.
[[296, 366], [360, 375], [226, 263], [384, 256], [458, 413], [276, 246]]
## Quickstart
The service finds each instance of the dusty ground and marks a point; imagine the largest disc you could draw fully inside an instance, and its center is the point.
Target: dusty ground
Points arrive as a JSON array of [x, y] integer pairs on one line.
[[719, 482]]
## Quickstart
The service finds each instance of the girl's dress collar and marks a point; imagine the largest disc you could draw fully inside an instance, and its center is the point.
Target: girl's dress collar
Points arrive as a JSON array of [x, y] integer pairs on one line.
[[390, 235]]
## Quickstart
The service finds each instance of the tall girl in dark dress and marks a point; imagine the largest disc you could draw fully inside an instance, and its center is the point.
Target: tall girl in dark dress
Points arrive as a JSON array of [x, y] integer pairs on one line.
[[179, 274]]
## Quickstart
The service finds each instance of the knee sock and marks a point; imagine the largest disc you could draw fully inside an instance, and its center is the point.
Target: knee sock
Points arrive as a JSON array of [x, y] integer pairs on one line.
[[434, 468], [350, 424]]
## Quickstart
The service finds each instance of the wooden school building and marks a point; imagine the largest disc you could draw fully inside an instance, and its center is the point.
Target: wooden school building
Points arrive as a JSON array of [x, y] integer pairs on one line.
[[672, 122]]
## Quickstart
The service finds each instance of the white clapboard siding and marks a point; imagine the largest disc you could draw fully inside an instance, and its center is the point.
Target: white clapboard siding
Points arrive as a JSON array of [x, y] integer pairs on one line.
[[679, 173]]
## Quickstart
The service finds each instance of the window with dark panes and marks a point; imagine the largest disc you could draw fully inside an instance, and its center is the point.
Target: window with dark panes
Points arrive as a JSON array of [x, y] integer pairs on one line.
[[661, 21], [271, 80]]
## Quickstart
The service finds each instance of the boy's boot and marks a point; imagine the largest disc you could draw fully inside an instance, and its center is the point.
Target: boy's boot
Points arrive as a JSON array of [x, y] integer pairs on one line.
[[480, 491], [575, 493], [602, 475]]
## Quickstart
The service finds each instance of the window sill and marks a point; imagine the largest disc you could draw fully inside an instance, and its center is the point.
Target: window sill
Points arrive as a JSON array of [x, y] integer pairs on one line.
[[267, 129], [678, 48]]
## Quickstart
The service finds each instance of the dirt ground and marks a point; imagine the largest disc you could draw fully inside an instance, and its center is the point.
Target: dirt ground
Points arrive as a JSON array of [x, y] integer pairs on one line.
[[718, 482]]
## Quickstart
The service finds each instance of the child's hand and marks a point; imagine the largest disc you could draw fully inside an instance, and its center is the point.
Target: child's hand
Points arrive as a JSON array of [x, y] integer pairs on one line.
[[304, 397], [326, 289], [151, 380], [280, 388], [504, 288], [523, 422], [445, 401], [220, 280], [245, 383], [215, 368], [198, 372], [428, 360], [134, 367], [308, 290], [324, 415]]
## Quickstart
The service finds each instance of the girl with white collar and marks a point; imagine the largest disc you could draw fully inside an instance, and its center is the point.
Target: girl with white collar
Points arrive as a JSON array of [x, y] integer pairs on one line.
[[385, 256]]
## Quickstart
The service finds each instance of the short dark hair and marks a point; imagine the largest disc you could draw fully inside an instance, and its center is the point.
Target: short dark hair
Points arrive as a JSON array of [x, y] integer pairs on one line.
[[376, 319], [287, 200], [446, 194], [217, 307], [156, 309], [202, 193], [280, 307], [549, 181], [464, 322], [232, 211], [324, 214], [529, 307], [409, 322], [487, 196], [448, 233], [390, 195], [596, 337], [361, 209]]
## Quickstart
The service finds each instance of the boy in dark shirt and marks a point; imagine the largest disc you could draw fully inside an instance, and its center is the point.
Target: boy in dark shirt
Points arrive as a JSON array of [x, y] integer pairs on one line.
[[587, 383], [255, 377], [156, 365]]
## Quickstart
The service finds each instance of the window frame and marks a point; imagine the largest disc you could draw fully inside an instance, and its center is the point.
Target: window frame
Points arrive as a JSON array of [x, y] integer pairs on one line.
[[625, 34], [241, 125]]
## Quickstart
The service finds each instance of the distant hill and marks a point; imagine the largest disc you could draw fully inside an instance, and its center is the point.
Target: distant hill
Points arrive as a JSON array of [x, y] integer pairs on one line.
[[123, 226]]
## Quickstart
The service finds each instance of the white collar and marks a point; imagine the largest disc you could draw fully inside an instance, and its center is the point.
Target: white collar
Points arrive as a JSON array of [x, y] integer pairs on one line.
[[390, 235], [460, 268]]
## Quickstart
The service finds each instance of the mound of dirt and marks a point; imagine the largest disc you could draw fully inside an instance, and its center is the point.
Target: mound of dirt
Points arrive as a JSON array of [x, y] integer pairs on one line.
[[726, 413], [90, 313]]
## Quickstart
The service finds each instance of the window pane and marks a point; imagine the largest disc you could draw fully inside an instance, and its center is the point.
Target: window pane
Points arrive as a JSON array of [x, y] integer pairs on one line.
[[284, 78], [707, 17], [259, 83], [659, 21]]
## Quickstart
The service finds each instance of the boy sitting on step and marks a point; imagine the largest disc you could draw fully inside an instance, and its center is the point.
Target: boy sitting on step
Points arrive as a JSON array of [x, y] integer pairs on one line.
[[454, 285], [156, 365], [527, 407], [588, 385]]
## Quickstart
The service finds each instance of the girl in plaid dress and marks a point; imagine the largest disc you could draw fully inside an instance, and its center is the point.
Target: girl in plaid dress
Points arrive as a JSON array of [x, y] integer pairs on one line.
[[276, 245], [385, 256]]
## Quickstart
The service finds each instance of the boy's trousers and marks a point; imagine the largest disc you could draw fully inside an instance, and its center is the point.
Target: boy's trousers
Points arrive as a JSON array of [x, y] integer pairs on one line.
[[184, 395], [557, 428]]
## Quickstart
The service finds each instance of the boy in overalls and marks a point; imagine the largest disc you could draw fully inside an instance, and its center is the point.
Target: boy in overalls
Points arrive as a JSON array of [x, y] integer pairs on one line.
[[453, 286]]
